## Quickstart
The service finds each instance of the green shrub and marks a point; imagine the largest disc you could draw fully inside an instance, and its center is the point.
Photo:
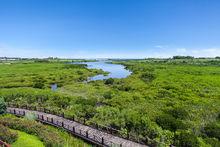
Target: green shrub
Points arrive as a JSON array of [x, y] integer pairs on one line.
[[2, 105], [38, 82], [6, 135], [107, 95], [213, 130], [179, 112], [213, 142], [185, 139], [148, 76], [169, 122], [109, 81], [50, 138]]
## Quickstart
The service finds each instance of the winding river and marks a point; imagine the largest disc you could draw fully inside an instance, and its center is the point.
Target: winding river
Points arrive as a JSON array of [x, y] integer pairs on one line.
[[115, 70]]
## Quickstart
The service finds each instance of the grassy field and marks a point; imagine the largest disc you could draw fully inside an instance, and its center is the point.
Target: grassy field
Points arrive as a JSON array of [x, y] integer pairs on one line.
[[26, 140], [163, 101], [42, 75]]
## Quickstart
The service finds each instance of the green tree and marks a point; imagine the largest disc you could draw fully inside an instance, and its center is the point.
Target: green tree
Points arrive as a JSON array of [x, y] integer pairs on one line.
[[183, 57]]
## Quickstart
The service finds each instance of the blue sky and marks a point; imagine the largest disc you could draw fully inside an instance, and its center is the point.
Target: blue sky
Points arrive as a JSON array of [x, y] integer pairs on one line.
[[109, 28]]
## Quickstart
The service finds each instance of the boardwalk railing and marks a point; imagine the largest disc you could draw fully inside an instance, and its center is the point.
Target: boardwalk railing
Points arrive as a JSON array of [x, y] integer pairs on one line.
[[106, 129], [3, 144], [73, 118], [88, 133]]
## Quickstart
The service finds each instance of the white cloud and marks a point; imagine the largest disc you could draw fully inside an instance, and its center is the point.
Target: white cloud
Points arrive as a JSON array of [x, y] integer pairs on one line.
[[161, 46], [209, 52], [181, 50], [171, 51], [159, 55], [12, 52], [206, 52], [9, 51], [158, 51]]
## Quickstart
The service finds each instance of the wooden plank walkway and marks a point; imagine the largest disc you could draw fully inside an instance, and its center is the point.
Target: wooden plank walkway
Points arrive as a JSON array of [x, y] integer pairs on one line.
[[90, 134]]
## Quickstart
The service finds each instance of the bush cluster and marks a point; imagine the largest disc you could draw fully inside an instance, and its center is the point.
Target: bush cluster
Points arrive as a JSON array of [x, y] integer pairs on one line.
[[2, 105], [6, 135], [49, 137]]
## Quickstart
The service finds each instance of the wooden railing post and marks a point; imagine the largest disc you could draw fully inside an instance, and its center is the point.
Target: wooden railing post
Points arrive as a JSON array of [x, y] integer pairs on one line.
[[87, 134], [102, 140], [73, 129]]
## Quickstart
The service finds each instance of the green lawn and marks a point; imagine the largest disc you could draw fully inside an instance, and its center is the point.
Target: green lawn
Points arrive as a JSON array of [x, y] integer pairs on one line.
[[26, 140]]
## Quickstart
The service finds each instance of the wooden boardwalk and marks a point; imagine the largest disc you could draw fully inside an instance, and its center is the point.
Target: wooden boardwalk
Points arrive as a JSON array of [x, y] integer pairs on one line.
[[90, 134]]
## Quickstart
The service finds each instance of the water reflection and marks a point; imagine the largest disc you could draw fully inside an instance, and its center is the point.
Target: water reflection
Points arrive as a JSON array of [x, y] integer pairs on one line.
[[115, 70]]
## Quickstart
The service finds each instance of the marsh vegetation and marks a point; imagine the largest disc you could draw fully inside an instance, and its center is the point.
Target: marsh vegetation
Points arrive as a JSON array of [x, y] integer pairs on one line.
[[164, 101]]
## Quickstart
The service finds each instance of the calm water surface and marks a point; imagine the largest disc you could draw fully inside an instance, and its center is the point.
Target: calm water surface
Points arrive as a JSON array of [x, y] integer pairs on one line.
[[115, 70]]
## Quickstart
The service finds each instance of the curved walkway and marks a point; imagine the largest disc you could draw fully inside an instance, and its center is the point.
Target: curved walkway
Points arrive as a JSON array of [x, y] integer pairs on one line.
[[90, 134]]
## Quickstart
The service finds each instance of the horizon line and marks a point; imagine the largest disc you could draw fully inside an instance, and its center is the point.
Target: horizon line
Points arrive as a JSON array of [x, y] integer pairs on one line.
[[99, 58]]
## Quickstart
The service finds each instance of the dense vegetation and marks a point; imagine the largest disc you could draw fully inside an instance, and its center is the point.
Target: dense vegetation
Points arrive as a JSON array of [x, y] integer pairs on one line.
[[2, 106], [7, 135], [169, 101], [48, 135], [42, 75]]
